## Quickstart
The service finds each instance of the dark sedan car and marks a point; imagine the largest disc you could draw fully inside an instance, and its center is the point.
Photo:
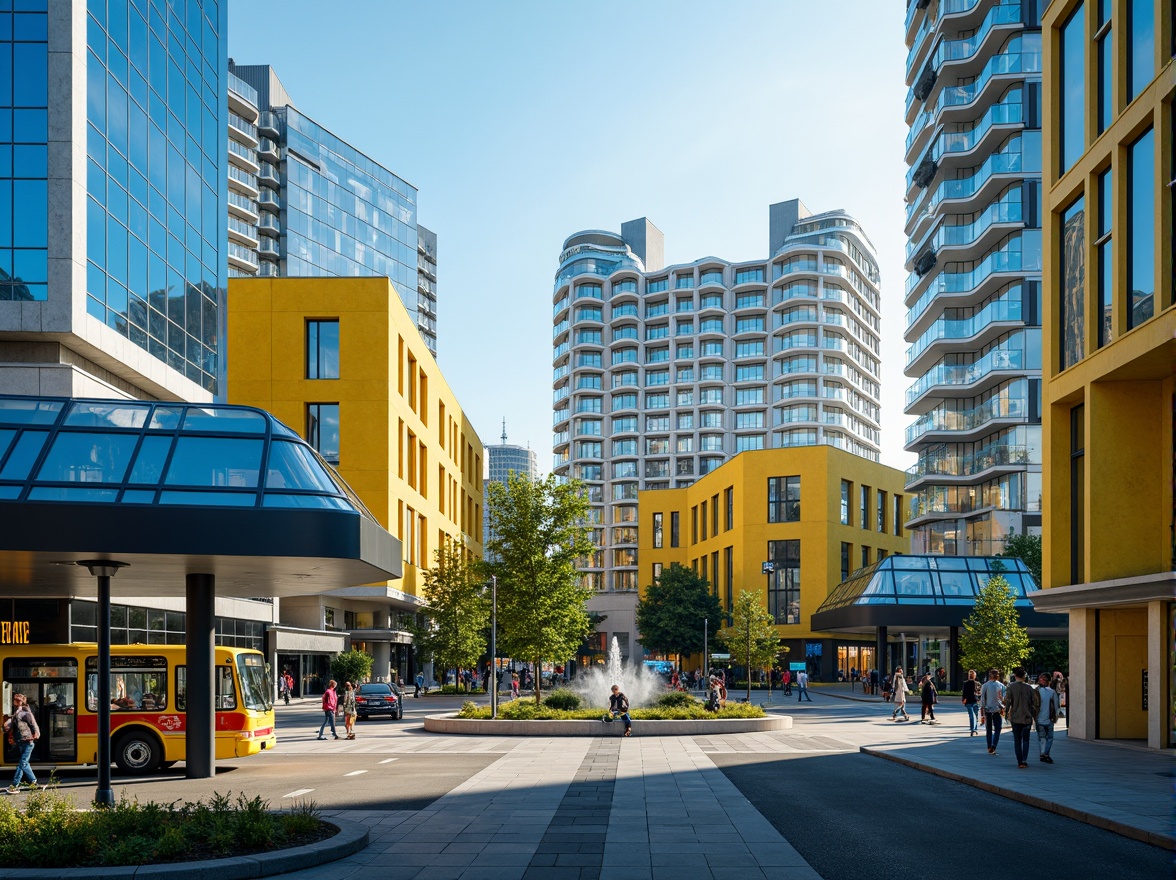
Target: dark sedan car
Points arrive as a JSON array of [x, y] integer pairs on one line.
[[379, 698]]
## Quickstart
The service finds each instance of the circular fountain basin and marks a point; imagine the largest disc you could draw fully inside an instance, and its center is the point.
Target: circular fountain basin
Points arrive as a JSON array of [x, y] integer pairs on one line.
[[450, 723]]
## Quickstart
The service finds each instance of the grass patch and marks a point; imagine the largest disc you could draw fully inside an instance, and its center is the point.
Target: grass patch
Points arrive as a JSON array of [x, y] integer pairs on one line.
[[51, 832], [526, 710]]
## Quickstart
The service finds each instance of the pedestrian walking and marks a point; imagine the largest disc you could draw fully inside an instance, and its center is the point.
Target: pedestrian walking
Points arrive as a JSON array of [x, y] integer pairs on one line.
[[349, 711], [900, 689], [886, 689], [874, 682], [22, 732], [971, 701], [1059, 686], [330, 705], [1047, 716], [802, 687], [929, 697], [1021, 704], [786, 680], [514, 685], [618, 706], [992, 694], [284, 682]]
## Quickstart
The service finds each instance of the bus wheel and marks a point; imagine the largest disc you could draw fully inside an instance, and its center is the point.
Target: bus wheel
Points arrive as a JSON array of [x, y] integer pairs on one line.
[[137, 754]]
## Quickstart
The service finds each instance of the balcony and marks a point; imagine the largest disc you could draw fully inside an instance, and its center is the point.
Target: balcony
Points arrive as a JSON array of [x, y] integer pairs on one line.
[[243, 205], [269, 199], [242, 257], [961, 284], [1001, 311], [269, 121], [1007, 210], [963, 422], [1009, 162], [269, 175], [966, 375], [945, 463], [243, 233], [951, 142], [243, 156], [269, 225], [268, 247], [244, 128], [243, 180]]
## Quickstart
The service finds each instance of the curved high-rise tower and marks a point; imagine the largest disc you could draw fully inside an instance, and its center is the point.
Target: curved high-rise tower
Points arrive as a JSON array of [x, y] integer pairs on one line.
[[973, 294], [663, 373]]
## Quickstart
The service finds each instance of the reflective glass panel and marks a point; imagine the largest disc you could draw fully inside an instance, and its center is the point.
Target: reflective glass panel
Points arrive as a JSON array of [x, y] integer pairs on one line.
[[151, 459], [83, 457], [215, 461], [104, 415], [29, 411], [291, 466], [1073, 69], [228, 421], [23, 455], [209, 499]]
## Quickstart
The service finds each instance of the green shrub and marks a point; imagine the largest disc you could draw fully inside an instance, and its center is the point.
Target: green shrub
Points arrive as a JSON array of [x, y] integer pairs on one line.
[[469, 709], [676, 700], [526, 710], [563, 698]]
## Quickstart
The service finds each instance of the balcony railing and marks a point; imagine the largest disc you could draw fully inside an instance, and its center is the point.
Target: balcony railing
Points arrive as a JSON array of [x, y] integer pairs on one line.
[[1002, 211], [1000, 310], [945, 462], [963, 282], [962, 141], [998, 163], [966, 374], [963, 421]]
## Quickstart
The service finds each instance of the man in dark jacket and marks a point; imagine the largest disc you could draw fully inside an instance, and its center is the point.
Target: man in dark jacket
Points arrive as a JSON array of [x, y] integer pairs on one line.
[[618, 705], [1022, 703]]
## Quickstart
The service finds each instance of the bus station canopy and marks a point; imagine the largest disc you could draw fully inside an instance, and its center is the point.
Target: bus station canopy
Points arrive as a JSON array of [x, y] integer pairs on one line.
[[173, 489]]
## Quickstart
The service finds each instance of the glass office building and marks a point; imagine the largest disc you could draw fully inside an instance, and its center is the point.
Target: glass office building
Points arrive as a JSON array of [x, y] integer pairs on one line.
[[327, 209], [112, 202], [973, 293]]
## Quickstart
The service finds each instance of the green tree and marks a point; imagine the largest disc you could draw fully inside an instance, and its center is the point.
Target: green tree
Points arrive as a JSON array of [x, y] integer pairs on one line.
[[1027, 548], [1046, 655], [457, 612], [353, 666], [992, 637], [751, 638], [538, 529], [670, 616]]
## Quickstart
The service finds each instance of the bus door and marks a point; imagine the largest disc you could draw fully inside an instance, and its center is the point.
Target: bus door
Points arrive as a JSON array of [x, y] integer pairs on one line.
[[51, 687]]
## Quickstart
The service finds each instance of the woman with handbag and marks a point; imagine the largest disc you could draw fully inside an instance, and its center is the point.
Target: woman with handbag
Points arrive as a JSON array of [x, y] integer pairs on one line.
[[349, 709], [23, 732], [930, 696], [900, 689]]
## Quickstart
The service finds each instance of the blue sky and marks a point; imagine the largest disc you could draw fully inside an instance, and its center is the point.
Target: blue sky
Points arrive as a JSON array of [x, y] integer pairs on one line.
[[523, 122]]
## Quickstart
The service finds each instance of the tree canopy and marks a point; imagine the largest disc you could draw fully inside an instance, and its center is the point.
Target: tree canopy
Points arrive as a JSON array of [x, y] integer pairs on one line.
[[538, 529], [751, 638], [353, 666], [457, 612], [671, 613], [992, 637], [1027, 548]]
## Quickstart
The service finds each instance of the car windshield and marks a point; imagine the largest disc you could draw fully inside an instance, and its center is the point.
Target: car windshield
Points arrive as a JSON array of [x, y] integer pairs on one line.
[[375, 689], [254, 682]]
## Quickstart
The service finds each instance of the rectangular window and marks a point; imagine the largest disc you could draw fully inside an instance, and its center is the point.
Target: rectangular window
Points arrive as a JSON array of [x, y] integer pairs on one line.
[[715, 572], [714, 514], [846, 503], [1078, 494], [784, 581], [1141, 231], [865, 556], [729, 566], [846, 552], [322, 429], [322, 349], [1072, 305], [783, 499], [881, 526], [657, 531], [704, 520], [730, 499], [1141, 46], [1073, 81], [674, 524], [898, 516], [864, 508], [694, 524], [746, 276], [1106, 258], [1105, 58]]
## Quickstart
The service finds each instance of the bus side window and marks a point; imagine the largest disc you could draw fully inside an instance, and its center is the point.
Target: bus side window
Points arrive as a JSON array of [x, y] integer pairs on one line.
[[226, 691], [181, 688]]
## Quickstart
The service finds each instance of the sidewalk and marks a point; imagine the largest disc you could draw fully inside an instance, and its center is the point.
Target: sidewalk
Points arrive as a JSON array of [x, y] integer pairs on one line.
[[1124, 789]]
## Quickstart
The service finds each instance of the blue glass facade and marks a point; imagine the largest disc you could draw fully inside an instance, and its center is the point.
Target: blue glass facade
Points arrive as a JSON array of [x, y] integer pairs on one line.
[[24, 135], [156, 220], [345, 214]]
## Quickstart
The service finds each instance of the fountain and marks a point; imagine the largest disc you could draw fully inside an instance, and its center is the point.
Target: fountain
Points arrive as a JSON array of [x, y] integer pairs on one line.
[[640, 685]]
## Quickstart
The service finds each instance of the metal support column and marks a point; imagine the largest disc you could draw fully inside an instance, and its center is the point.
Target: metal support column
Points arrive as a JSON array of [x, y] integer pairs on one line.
[[104, 570], [200, 735], [882, 659]]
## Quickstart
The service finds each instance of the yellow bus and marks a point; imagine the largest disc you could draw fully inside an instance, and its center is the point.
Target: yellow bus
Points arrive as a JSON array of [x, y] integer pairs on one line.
[[147, 703]]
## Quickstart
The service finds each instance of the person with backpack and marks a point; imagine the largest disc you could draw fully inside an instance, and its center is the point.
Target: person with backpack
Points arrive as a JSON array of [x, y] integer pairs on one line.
[[23, 732]]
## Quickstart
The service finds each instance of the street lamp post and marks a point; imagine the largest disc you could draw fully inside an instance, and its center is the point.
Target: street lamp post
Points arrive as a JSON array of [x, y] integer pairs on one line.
[[493, 646], [705, 647]]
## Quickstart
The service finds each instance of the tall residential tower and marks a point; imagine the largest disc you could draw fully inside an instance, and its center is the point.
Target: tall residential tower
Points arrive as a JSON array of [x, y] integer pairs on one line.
[[973, 226], [663, 373]]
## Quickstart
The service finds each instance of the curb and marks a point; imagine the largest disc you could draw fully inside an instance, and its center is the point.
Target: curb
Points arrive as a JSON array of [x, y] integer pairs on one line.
[[696, 727], [1154, 838], [350, 839]]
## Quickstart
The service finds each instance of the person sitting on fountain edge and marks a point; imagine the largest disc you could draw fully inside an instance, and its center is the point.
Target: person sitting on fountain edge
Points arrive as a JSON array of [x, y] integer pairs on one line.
[[618, 704]]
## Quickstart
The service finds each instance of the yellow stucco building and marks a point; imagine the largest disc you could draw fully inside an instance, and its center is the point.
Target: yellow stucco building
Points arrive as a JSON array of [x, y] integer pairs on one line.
[[1109, 358], [340, 361], [816, 513]]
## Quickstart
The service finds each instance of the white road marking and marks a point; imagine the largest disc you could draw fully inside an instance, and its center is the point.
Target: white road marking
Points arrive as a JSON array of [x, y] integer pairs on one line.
[[355, 773], [388, 760], [299, 792]]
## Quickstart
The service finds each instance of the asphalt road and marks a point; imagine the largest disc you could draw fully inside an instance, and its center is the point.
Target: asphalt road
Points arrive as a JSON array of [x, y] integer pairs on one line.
[[855, 817]]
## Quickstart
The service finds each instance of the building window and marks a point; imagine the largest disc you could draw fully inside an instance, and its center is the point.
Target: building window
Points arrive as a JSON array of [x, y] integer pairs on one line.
[[846, 552], [694, 524], [865, 556], [1106, 258], [1077, 494], [715, 515], [846, 504], [864, 508], [322, 349], [1073, 79], [1071, 307], [657, 531], [898, 516], [1141, 46], [322, 429], [1141, 232], [729, 565], [730, 499], [881, 554], [784, 581], [881, 512], [1105, 58], [703, 517], [714, 572], [657, 572], [783, 499], [674, 526]]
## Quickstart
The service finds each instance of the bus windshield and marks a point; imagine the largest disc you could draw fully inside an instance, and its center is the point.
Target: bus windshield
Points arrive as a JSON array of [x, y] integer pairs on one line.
[[254, 685]]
